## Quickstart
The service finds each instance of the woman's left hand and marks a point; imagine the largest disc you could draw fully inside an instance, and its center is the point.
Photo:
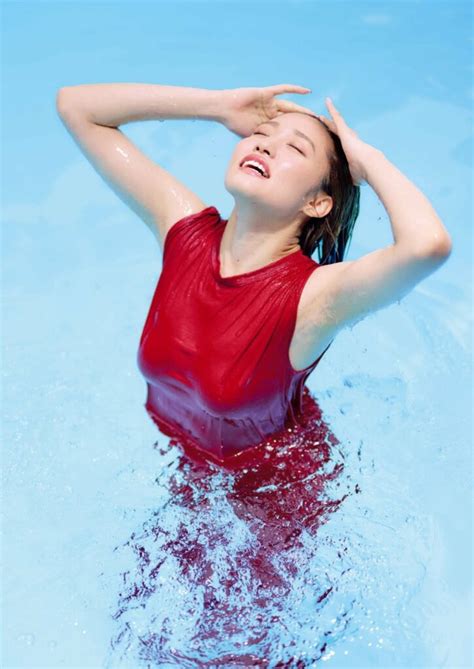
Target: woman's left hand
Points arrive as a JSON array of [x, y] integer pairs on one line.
[[355, 149]]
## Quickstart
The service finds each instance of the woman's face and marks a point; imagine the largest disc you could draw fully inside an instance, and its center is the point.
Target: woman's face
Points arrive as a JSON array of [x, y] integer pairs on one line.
[[295, 149]]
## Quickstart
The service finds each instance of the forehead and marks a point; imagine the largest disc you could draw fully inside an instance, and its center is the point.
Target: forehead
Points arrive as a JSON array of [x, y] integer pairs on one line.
[[298, 121]]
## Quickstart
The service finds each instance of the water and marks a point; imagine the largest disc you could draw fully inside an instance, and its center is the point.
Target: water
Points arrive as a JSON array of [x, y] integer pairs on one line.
[[119, 551]]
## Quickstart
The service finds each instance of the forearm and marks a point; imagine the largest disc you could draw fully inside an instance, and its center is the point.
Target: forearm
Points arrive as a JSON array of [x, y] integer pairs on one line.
[[119, 103], [413, 219]]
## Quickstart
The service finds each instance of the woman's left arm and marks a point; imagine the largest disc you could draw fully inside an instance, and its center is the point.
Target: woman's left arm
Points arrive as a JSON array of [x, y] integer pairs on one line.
[[415, 224], [421, 242]]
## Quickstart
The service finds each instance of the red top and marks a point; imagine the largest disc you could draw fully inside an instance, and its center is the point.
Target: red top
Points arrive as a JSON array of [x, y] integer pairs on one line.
[[215, 350]]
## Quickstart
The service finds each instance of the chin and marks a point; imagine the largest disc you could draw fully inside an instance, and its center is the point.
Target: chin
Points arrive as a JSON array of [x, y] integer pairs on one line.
[[241, 184]]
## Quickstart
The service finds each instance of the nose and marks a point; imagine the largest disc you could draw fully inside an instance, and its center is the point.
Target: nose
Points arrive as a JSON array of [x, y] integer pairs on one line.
[[263, 145], [264, 151]]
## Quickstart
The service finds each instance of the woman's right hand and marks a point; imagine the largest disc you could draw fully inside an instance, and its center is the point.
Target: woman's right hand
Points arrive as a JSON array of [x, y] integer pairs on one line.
[[243, 109]]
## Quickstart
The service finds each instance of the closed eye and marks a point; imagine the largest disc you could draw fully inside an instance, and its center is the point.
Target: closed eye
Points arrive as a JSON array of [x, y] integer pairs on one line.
[[295, 147], [292, 145]]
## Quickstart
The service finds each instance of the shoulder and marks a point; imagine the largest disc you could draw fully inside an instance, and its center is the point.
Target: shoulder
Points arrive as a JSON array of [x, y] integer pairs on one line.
[[193, 220]]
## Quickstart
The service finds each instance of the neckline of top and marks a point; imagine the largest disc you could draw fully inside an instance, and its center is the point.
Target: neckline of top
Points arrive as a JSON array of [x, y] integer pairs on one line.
[[244, 277]]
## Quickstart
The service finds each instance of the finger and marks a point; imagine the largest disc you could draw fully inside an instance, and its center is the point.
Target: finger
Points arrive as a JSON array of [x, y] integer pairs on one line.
[[325, 120], [337, 116], [279, 89], [287, 106], [330, 124]]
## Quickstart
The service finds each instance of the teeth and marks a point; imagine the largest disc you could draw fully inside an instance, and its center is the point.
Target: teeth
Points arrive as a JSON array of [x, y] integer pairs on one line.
[[254, 163]]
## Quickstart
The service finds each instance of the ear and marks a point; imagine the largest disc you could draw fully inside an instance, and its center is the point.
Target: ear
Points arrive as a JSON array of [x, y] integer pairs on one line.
[[318, 206]]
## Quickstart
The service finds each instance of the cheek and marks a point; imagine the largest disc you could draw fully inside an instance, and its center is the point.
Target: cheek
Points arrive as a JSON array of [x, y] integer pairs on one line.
[[240, 150], [233, 162], [296, 172]]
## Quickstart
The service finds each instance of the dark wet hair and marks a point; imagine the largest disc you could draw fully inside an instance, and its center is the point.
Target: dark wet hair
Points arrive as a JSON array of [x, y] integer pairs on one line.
[[330, 235]]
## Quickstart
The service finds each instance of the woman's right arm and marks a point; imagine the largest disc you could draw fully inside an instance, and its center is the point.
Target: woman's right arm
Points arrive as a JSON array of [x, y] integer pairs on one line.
[[92, 113]]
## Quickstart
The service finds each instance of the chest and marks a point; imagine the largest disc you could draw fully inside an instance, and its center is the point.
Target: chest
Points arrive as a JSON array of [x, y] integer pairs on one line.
[[230, 354]]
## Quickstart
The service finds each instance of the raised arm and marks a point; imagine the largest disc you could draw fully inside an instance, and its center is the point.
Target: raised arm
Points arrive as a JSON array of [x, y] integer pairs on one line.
[[92, 113], [421, 243]]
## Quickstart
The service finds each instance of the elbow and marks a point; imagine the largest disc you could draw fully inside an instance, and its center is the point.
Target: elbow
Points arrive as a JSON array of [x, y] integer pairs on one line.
[[440, 249], [443, 248], [63, 100], [60, 101]]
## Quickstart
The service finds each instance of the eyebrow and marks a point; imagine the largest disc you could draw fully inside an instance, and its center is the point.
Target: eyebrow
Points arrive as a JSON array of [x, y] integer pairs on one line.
[[297, 132]]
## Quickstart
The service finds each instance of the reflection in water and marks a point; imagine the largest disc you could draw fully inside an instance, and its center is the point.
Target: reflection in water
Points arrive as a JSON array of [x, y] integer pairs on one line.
[[227, 571]]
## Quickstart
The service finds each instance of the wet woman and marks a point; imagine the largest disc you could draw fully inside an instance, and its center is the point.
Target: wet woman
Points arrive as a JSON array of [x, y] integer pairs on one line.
[[242, 313]]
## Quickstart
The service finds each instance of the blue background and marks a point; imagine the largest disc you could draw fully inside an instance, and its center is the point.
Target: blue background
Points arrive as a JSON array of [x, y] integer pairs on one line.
[[79, 269]]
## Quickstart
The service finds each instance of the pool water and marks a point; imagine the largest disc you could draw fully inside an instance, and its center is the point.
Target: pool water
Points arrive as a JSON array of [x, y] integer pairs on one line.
[[350, 543], [118, 548]]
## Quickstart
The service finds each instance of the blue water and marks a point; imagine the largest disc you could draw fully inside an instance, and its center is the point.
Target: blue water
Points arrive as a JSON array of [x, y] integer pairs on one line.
[[116, 550]]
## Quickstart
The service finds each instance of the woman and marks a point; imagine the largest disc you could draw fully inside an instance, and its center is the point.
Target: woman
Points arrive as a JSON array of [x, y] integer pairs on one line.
[[240, 316]]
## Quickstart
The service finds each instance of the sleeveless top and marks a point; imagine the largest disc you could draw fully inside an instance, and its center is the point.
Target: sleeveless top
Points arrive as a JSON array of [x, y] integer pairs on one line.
[[214, 350]]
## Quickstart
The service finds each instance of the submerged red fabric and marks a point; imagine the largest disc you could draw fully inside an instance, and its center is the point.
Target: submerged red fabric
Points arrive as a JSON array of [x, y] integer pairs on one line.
[[214, 350]]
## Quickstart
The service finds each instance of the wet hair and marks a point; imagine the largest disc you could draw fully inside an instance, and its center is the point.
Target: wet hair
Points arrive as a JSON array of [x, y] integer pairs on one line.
[[331, 234]]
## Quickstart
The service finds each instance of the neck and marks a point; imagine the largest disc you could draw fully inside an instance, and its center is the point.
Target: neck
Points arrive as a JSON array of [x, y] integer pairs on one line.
[[252, 239]]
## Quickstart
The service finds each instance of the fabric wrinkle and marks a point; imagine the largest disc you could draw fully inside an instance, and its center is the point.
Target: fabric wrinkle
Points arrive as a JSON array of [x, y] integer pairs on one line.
[[214, 351]]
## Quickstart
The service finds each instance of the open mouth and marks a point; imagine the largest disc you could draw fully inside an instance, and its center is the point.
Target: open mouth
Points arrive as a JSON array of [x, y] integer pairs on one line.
[[255, 168], [254, 171]]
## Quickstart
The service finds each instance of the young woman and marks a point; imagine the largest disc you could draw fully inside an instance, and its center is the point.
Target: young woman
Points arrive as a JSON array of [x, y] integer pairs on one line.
[[242, 314]]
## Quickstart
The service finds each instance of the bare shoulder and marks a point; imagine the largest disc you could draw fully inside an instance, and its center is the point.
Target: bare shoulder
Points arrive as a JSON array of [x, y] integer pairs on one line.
[[186, 205]]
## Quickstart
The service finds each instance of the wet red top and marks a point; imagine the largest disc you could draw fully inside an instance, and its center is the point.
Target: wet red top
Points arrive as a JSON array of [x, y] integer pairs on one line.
[[214, 350]]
